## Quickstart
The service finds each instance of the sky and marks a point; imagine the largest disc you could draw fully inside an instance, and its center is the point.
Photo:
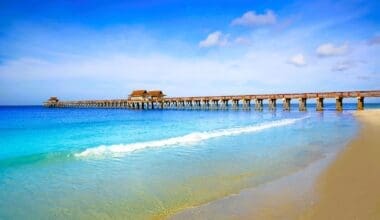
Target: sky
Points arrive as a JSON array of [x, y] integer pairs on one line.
[[86, 49]]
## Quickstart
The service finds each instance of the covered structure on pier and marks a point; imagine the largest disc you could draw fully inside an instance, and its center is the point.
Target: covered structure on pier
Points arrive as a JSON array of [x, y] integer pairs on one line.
[[144, 95], [138, 95], [51, 102], [156, 95]]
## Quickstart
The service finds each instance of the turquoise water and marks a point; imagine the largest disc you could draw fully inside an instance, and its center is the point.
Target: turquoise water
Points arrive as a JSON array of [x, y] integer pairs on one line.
[[117, 163]]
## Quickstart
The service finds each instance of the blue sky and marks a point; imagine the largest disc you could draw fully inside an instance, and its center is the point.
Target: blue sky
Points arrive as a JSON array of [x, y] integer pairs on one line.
[[105, 49]]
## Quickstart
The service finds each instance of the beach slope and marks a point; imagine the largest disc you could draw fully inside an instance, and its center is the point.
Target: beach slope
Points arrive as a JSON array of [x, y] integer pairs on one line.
[[350, 187], [345, 186]]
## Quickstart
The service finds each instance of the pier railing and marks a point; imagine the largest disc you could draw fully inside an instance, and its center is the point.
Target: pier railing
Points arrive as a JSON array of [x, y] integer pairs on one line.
[[222, 102]]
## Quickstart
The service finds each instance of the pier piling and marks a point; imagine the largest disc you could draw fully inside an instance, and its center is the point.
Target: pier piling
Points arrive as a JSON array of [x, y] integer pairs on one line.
[[360, 103], [286, 104], [339, 103], [319, 101], [259, 104], [302, 104], [272, 104]]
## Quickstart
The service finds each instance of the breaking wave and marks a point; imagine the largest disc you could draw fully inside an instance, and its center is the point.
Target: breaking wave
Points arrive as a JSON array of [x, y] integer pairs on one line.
[[192, 138]]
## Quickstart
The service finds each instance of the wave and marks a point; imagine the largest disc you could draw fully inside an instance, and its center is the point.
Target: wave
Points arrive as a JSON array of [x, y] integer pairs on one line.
[[192, 138]]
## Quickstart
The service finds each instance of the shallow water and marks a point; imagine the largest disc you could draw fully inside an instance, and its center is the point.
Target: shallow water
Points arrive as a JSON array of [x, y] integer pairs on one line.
[[117, 163]]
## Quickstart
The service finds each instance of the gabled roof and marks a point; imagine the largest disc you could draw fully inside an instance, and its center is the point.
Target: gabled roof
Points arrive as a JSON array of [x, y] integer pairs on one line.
[[136, 93], [53, 98], [156, 93]]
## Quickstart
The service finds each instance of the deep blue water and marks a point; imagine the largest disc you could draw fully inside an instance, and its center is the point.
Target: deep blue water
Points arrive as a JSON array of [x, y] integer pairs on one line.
[[114, 163]]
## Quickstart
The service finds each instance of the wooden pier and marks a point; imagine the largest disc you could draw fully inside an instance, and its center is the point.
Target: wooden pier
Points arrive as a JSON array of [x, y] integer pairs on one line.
[[142, 99]]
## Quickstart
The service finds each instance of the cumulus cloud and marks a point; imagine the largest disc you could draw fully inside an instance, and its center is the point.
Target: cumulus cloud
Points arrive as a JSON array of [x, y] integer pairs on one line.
[[327, 50], [216, 38], [297, 60], [250, 18], [374, 41]]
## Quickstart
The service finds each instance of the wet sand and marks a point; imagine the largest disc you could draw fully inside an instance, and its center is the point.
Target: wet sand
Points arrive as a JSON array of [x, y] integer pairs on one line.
[[343, 186], [280, 199], [350, 187]]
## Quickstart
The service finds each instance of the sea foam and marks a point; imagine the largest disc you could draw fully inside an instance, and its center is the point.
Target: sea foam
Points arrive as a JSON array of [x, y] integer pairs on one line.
[[189, 139]]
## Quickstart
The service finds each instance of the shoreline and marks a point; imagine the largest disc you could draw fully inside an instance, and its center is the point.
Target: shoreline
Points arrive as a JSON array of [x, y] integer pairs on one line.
[[266, 201], [350, 187], [312, 192]]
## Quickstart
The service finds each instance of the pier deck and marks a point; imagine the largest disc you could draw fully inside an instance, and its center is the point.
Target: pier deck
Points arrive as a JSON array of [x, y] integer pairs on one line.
[[218, 102]]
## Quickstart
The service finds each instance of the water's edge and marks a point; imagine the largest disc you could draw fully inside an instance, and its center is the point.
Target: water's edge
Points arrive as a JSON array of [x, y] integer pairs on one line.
[[249, 202]]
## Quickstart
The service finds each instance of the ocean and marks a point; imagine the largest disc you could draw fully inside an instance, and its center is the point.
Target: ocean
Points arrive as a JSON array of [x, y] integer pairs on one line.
[[133, 164]]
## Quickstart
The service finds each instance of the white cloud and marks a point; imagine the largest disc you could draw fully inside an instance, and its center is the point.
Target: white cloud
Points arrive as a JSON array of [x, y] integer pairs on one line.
[[326, 50], [297, 60], [250, 18], [216, 38]]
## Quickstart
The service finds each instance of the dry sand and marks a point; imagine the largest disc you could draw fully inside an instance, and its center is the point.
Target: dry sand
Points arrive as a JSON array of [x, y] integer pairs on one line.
[[350, 187], [347, 188]]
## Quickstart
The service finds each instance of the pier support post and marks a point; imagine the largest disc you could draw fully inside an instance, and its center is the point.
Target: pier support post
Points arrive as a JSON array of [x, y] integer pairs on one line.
[[178, 104], [302, 104], [286, 104], [185, 104], [339, 103], [246, 104], [196, 104], [272, 104], [190, 103], [258, 104], [203, 104], [224, 104], [235, 104], [215, 104], [319, 104], [360, 103]]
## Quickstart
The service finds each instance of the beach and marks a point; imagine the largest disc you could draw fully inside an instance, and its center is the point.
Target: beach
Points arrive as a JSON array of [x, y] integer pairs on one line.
[[349, 189], [341, 186]]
